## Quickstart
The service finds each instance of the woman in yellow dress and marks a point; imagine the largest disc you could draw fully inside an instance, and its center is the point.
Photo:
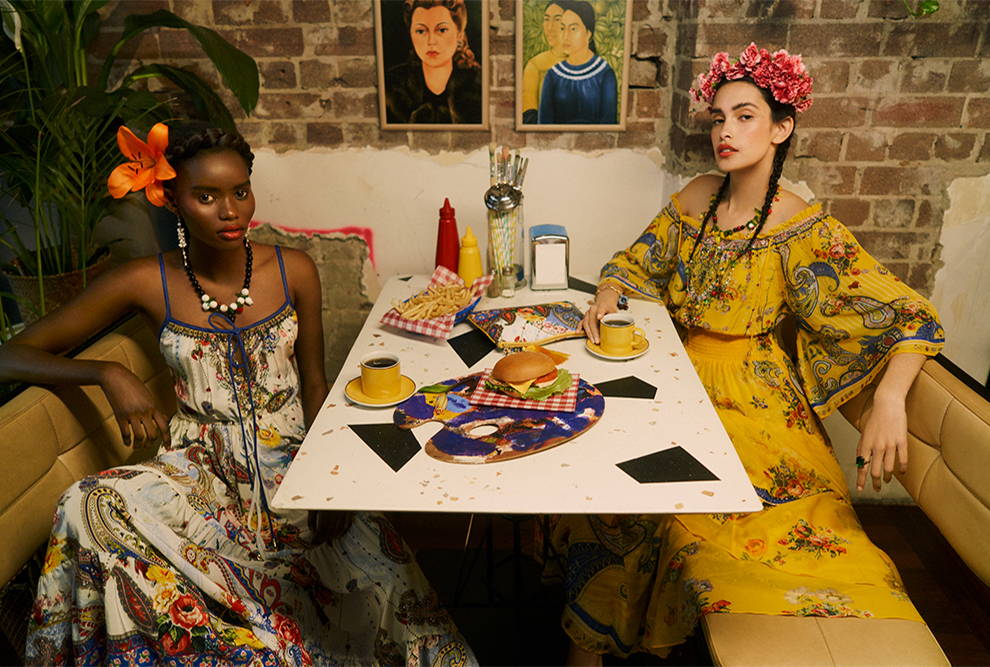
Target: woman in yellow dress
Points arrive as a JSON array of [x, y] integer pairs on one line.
[[728, 277]]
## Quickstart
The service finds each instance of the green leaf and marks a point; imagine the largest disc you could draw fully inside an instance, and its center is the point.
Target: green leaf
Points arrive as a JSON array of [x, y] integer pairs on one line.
[[435, 389], [11, 23], [237, 69], [559, 385], [208, 104]]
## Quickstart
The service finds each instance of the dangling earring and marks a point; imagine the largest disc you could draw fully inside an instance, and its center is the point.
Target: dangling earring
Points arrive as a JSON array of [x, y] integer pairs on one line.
[[180, 228]]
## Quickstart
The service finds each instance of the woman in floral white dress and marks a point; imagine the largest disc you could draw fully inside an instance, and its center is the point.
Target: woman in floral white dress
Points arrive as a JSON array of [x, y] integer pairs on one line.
[[180, 559]]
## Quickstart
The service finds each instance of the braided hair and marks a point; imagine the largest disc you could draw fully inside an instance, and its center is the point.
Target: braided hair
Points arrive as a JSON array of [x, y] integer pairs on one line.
[[778, 112], [187, 139]]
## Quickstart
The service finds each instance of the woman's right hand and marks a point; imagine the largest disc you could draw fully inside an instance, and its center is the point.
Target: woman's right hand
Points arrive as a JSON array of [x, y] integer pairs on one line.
[[606, 301], [132, 403]]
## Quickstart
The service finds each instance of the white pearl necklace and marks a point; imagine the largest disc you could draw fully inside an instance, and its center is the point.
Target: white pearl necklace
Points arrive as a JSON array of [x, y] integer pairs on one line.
[[243, 299]]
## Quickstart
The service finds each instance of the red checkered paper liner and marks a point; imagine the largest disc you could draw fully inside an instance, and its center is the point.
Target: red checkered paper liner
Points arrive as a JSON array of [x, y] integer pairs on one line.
[[438, 327], [566, 402]]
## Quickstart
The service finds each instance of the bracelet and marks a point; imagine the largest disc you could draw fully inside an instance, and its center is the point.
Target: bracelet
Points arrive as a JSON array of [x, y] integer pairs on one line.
[[623, 299], [609, 286]]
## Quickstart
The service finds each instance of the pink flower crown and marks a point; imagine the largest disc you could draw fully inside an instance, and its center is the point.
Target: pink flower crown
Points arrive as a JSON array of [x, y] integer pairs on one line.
[[779, 72]]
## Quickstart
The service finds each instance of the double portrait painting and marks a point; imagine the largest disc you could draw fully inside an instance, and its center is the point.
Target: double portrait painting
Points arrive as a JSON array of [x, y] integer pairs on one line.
[[571, 64]]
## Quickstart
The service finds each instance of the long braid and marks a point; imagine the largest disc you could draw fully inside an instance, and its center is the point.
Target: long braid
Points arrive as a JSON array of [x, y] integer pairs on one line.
[[710, 213], [778, 168]]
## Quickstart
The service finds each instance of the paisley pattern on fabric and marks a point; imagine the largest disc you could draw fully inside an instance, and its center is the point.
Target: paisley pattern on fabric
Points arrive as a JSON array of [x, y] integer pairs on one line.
[[179, 560], [640, 583]]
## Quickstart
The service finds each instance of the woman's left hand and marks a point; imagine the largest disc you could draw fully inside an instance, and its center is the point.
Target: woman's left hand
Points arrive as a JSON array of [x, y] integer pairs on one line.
[[883, 443]]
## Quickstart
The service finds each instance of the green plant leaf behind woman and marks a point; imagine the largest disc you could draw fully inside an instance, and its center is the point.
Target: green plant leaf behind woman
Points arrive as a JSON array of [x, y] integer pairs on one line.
[[60, 121]]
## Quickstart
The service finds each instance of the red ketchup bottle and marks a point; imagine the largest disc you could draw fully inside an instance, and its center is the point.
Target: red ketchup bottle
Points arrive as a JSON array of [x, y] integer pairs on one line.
[[448, 242]]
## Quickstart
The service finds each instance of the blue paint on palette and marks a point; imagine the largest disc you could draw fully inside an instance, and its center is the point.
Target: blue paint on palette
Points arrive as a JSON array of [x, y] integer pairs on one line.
[[516, 432]]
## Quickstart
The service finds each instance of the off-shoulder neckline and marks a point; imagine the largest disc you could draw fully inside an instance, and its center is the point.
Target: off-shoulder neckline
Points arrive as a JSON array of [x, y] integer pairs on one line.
[[804, 214]]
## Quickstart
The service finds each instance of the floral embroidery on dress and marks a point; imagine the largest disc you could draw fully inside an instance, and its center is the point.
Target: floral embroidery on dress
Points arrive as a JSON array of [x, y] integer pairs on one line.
[[824, 602], [696, 589], [789, 480], [816, 541]]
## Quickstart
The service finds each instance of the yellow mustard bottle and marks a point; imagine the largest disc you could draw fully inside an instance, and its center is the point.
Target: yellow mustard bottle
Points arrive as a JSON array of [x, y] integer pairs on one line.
[[469, 258]]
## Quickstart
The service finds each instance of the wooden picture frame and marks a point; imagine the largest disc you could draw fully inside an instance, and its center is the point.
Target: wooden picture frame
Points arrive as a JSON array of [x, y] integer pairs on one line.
[[580, 95], [405, 99]]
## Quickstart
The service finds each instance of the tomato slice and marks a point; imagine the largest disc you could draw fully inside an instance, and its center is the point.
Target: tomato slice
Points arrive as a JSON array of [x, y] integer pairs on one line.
[[549, 377]]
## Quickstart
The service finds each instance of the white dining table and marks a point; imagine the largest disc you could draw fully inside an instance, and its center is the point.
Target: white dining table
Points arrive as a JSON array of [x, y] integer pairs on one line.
[[336, 470]]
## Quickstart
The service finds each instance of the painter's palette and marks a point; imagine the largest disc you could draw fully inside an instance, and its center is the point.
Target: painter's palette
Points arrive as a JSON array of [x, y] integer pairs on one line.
[[485, 434]]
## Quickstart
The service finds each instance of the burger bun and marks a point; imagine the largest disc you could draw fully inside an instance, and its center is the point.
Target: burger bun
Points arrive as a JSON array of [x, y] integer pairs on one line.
[[522, 366]]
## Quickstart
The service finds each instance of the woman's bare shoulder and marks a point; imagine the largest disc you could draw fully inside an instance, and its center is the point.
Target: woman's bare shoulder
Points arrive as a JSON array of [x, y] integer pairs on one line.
[[300, 266], [696, 195], [786, 207]]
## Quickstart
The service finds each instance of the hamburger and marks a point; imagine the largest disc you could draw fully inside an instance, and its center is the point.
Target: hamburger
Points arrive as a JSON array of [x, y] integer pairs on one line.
[[529, 375]]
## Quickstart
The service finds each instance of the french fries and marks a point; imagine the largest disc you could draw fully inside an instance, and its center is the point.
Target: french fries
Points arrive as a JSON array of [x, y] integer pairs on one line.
[[434, 302]]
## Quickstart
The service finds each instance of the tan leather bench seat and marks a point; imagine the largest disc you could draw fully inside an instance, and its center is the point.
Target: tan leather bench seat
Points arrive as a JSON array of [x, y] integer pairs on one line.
[[51, 438]]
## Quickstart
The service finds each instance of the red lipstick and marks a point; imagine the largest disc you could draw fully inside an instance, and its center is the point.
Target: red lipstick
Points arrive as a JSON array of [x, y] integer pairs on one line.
[[231, 233], [725, 150]]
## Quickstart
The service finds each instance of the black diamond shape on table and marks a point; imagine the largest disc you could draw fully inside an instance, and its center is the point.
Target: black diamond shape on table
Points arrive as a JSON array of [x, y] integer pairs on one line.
[[581, 285], [394, 445], [472, 346], [627, 387], [668, 465], [405, 278]]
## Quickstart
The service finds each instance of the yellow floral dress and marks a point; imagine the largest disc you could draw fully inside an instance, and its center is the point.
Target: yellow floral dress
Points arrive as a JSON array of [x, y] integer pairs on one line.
[[640, 583]]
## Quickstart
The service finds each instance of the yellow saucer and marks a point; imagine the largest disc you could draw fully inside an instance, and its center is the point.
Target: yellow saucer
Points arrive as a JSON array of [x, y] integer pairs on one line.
[[354, 394], [597, 350]]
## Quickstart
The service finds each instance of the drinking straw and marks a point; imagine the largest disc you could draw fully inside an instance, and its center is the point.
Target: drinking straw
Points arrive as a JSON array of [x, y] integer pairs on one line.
[[491, 164], [522, 172]]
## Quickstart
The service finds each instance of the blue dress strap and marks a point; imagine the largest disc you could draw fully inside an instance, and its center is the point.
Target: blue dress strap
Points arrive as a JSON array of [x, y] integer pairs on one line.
[[161, 267], [285, 283]]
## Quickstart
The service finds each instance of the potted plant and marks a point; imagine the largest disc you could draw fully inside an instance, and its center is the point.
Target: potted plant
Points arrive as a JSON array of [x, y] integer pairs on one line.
[[59, 121]]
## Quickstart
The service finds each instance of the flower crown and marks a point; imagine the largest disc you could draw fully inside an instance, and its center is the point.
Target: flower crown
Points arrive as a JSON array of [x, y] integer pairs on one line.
[[146, 167], [779, 72]]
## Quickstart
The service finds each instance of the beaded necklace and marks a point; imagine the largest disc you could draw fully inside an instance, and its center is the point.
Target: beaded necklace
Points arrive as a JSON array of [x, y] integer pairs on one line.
[[208, 303], [750, 224], [712, 262]]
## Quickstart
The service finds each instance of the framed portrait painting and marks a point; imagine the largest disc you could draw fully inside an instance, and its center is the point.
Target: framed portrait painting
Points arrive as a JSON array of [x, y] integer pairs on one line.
[[572, 64], [432, 64]]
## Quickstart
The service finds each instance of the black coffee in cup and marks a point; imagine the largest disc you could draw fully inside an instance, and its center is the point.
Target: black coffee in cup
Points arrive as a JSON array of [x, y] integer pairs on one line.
[[616, 322], [381, 362]]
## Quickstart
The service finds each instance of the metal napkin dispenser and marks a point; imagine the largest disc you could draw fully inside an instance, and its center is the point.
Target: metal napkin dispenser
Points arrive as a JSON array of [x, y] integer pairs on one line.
[[549, 258]]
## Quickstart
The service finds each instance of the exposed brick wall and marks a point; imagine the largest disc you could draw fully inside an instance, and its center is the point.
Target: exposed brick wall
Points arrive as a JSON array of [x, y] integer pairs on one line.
[[901, 104]]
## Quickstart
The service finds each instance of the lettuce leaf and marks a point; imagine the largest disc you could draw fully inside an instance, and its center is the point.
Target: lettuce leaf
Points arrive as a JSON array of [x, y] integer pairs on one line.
[[559, 386]]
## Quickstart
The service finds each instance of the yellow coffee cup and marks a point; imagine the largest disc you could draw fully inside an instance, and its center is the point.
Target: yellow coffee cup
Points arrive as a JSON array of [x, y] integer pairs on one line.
[[380, 376], [619, 335]]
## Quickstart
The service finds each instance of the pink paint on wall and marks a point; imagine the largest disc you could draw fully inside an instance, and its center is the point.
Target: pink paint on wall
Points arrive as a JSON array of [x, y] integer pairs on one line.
[[363, 232]]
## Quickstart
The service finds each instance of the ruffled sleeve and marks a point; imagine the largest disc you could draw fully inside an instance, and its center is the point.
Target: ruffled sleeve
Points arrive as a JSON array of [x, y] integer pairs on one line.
[[644, 269], [853, 314]]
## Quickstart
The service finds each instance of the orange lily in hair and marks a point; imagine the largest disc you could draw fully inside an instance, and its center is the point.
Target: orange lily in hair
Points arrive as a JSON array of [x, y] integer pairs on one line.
[[147, 166]]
